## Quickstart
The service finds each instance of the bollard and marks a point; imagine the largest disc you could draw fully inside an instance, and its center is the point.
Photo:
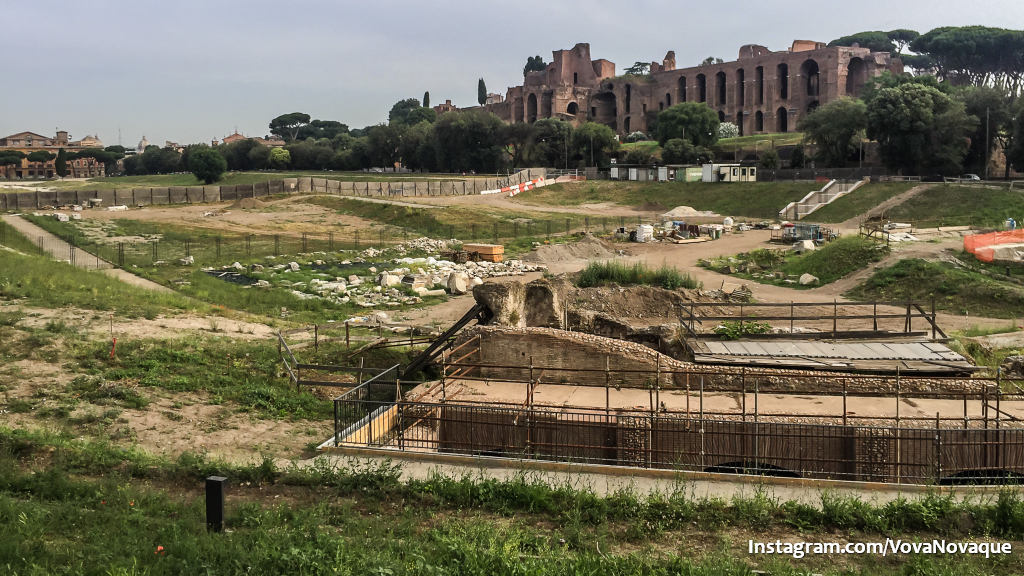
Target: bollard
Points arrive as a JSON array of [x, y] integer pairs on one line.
[[215, 503]]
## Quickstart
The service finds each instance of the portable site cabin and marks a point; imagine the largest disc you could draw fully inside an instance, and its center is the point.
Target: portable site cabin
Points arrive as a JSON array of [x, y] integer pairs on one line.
[[728, 173]]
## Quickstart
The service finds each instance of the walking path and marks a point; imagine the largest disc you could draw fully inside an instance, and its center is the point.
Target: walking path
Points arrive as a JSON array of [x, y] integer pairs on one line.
[[61, 250]]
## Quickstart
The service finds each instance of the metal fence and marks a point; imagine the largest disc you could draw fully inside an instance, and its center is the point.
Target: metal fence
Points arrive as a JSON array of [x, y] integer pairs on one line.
[[647, 439]]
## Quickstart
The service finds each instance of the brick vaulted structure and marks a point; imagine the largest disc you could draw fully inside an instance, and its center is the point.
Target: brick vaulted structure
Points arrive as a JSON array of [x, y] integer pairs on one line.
[[761, 91]]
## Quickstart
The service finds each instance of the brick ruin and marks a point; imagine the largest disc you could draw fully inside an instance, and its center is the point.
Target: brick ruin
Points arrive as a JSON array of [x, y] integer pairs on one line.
[[761, 91]]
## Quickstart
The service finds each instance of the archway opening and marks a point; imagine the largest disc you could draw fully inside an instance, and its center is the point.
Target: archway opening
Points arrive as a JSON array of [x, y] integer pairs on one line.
[[720, 87], [782, 77], [856, 76], [812, 77], [702, 88], [681, 89], [531, 108], [782, 120], [741, 92], [572, 108], [758, 121], [604, 109], [739, 121], [759, 84]]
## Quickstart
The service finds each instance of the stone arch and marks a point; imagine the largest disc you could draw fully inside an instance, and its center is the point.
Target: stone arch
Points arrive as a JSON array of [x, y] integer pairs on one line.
[[668, 98], [856, 76], [702, 88], [758, 121], [573, 108], [811, 74], [604, 108], [739, 121], [625, 125], [720, 83], [681, 89], [531, 108], [741, 92], [782, 78], [782, 119]]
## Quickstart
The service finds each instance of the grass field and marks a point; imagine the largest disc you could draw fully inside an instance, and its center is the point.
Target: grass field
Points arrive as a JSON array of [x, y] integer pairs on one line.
[[950, 205], [859, 202], [954, 289], [829, 263], [764, 142], [605, 273], [229, 179], [145, 515], [748, 199]]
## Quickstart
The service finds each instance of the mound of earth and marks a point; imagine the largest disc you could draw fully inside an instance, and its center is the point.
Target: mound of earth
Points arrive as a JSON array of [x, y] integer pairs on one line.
[[686, 212], [650, 207], [244, 203], [586, 248]]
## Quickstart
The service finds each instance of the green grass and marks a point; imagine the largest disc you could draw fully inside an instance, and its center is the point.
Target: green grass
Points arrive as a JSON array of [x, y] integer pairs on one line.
[[361, 518], [859, 201], [604, 273], [747, 199], [47, 283], [764, 142], [829, 263], [954, 289], [15, 240], [233, 178], [949, 205]]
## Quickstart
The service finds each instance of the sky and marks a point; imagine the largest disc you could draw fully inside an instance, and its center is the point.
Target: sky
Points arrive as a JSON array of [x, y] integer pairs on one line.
[[193, 70]]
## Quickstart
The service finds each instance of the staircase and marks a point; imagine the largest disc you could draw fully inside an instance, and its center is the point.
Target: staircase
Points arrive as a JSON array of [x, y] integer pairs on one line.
[[818, 198]]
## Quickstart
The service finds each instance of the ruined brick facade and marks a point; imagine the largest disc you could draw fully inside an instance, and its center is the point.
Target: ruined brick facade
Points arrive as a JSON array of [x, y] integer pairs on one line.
[[761, 91]]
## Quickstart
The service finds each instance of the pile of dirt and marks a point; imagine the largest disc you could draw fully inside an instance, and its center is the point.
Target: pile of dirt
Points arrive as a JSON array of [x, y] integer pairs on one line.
[[685, 212], [244, 203], [650, 207], [586, 248]]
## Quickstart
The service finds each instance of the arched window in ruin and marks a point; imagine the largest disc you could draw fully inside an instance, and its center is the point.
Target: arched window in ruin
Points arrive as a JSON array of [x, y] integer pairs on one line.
[[856, 76], [661, 106], [758, 121], [721, 116], [682, 89], [720, 87], [575, 78], [604, 109], [668, 98], [625, 125], [782, 119], [811, 76], [782, 78], [739, 121], [572, 108], [531, 108], [759, 84], [545, 105], [702, 88], [741, 90], [629, 96]]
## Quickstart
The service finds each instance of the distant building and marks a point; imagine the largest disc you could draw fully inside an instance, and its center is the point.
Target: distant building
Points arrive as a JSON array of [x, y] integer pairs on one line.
[[142, 145], [28, 142], [446, 107], [269, 141]]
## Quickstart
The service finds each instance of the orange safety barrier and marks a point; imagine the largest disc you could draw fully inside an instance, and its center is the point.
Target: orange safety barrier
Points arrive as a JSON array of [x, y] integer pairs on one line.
[[983, 245]]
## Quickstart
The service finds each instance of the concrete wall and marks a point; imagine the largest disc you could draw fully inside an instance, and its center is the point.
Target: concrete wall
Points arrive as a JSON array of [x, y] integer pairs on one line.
[[32, 200]]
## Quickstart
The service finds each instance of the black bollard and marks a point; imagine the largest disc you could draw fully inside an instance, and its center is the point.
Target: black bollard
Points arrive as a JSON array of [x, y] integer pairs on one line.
[[215, 503]]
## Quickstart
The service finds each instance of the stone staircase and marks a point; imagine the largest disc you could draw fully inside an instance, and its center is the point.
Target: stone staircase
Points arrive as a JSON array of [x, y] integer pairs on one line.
[[818, 198]]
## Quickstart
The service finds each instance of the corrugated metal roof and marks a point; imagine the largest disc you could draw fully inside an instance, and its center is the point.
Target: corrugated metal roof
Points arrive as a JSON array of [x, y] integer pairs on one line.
[[835, 350]]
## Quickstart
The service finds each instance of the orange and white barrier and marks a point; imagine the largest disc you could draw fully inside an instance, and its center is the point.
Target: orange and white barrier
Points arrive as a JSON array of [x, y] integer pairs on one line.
[[513, 190]]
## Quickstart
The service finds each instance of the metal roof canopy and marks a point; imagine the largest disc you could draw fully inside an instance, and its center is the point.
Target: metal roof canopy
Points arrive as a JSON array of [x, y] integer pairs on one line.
[[855, 356]]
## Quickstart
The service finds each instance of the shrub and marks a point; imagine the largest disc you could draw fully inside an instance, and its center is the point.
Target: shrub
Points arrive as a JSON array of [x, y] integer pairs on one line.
[[602, 273]]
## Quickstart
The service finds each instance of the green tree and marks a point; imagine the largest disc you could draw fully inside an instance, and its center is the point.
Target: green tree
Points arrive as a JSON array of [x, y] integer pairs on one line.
[[639, 69], [1015, 150], [400, 111], [534, 64], [40, 156], [976, 55], [279, 158], [207, 164], [594, 144], [835, 129], [519, 138], [8, 157], [552, 138], [481, 92], [919, 129], [317, 129], [711, 60], [902, 37], [287, 126], [470, 141], [691, 121], [769, 159], [60, 165], [426, 99], [875, 40], [678, 151], [421, 114], [797, 158], [383, 141], [412, 148], [992, 107], [259, 157]]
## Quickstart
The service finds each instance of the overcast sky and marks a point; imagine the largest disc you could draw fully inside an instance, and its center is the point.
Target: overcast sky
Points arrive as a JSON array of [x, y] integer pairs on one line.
[[192, 70]]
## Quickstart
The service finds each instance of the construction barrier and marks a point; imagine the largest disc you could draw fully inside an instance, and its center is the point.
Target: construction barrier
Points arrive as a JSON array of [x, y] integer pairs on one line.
[[1006, 245], [513, 190]]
